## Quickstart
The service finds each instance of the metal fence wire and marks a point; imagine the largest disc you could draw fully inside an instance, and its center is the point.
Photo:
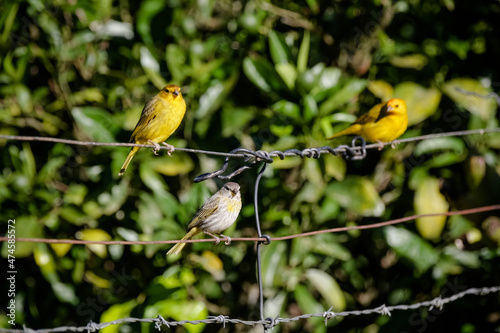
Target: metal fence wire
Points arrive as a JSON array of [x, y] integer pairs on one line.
[[251, 159]]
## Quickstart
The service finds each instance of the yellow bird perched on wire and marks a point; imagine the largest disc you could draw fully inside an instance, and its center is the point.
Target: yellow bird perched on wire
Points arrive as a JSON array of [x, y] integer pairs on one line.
[[216, 215], [160, 117], [384, 122]]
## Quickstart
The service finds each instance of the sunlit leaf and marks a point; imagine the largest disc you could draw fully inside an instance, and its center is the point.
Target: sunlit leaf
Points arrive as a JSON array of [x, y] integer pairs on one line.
[[303, 52], [381, 89], [434, 145], [180, 310], [421, 102], [411, 247], [459, 91], [416, 61], [357, 194], [280, 52], [95, 235], [429, 200], [350, 90], [115, 312], [288, 73], [327, 287], [262, 74], [96, 123]]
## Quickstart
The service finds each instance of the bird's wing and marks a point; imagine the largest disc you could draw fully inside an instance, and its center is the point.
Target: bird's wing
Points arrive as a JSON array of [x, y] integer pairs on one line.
[[371, 116], [145, 118], [207, 210]]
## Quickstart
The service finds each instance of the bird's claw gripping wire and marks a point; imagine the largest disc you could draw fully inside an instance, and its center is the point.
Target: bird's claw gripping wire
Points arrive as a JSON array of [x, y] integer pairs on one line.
[[156, 148], [170, 148], [217, 239], [228, 239]]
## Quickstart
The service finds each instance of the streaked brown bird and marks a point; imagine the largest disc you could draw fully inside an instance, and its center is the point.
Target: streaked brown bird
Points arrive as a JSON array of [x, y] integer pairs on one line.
[[216, 215], [160, 117]]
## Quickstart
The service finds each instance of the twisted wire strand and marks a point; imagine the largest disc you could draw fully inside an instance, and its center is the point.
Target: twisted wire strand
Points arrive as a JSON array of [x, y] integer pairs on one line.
[[383, 310]]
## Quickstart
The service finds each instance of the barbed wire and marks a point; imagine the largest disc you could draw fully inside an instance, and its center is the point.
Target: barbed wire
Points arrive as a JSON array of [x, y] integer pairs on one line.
[[268, 323], [259, 239], [248, 153], [352, 152]]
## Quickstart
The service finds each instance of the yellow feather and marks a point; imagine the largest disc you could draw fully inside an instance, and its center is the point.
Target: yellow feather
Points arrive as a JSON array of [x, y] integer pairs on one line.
[[383, 123], [177, 248], [160, 117]]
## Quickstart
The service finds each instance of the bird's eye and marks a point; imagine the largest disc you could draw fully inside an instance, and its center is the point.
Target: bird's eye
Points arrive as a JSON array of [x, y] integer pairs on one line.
[[167, 91], [397, 106]]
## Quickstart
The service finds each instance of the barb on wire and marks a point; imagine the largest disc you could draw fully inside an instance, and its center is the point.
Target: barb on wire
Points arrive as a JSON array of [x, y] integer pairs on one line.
[[268, 323], [353, 152], [254, 158], [262, 238]]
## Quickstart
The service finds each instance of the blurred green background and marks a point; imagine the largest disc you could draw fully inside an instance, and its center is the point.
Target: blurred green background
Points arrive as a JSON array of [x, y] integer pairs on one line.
[[257, 75]]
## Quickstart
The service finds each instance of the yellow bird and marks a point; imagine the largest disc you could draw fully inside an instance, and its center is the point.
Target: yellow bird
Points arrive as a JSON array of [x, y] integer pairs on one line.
[[160, 117], [384, 122], [216, 215]]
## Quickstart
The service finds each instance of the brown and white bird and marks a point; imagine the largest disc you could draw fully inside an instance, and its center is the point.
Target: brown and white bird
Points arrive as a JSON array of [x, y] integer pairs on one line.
[[217, 214]]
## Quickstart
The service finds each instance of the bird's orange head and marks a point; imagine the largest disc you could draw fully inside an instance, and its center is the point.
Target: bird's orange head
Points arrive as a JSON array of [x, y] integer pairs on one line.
[[171, 92], [396, 106]]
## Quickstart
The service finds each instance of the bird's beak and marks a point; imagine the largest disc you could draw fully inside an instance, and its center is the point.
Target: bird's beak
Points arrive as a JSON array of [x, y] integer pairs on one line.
[[390, 108], [176, 93]]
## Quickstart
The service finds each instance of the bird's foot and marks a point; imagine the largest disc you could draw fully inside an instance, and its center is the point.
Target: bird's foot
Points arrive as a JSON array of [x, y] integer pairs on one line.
[[156, 149], [217, 239], [394, 144], [380, 145], [228, 239], [170, 148]]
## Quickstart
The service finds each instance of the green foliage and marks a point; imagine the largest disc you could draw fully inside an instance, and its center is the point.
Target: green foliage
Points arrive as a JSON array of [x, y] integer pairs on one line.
[[259, 75]]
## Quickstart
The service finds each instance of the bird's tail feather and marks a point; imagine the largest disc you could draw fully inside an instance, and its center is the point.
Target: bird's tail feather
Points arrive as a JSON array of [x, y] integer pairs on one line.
[[353, 129], [177, 248], [127, 161]]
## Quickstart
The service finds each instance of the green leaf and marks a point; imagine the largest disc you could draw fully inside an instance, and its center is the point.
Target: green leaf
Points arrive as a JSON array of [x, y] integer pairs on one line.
[[310, 108], [482, 107], [411, 247], [308, 79], [429, 146], [416, 61], [262, 74], [115, 312], [421, 102], [381, 89], [288, 73], [328, 288], [308, 304], [235, 119], [287, 108], [429, 200], [303, 52], [280, 52], [273, 261], [147, 11], [357, 194], [175, 57], [96, 123], [26, 227], [351, 89], [180, 309], [306, 301]]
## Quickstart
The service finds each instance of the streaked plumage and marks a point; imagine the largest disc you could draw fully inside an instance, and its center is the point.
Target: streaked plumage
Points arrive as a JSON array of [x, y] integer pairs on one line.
[[217, 214]]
